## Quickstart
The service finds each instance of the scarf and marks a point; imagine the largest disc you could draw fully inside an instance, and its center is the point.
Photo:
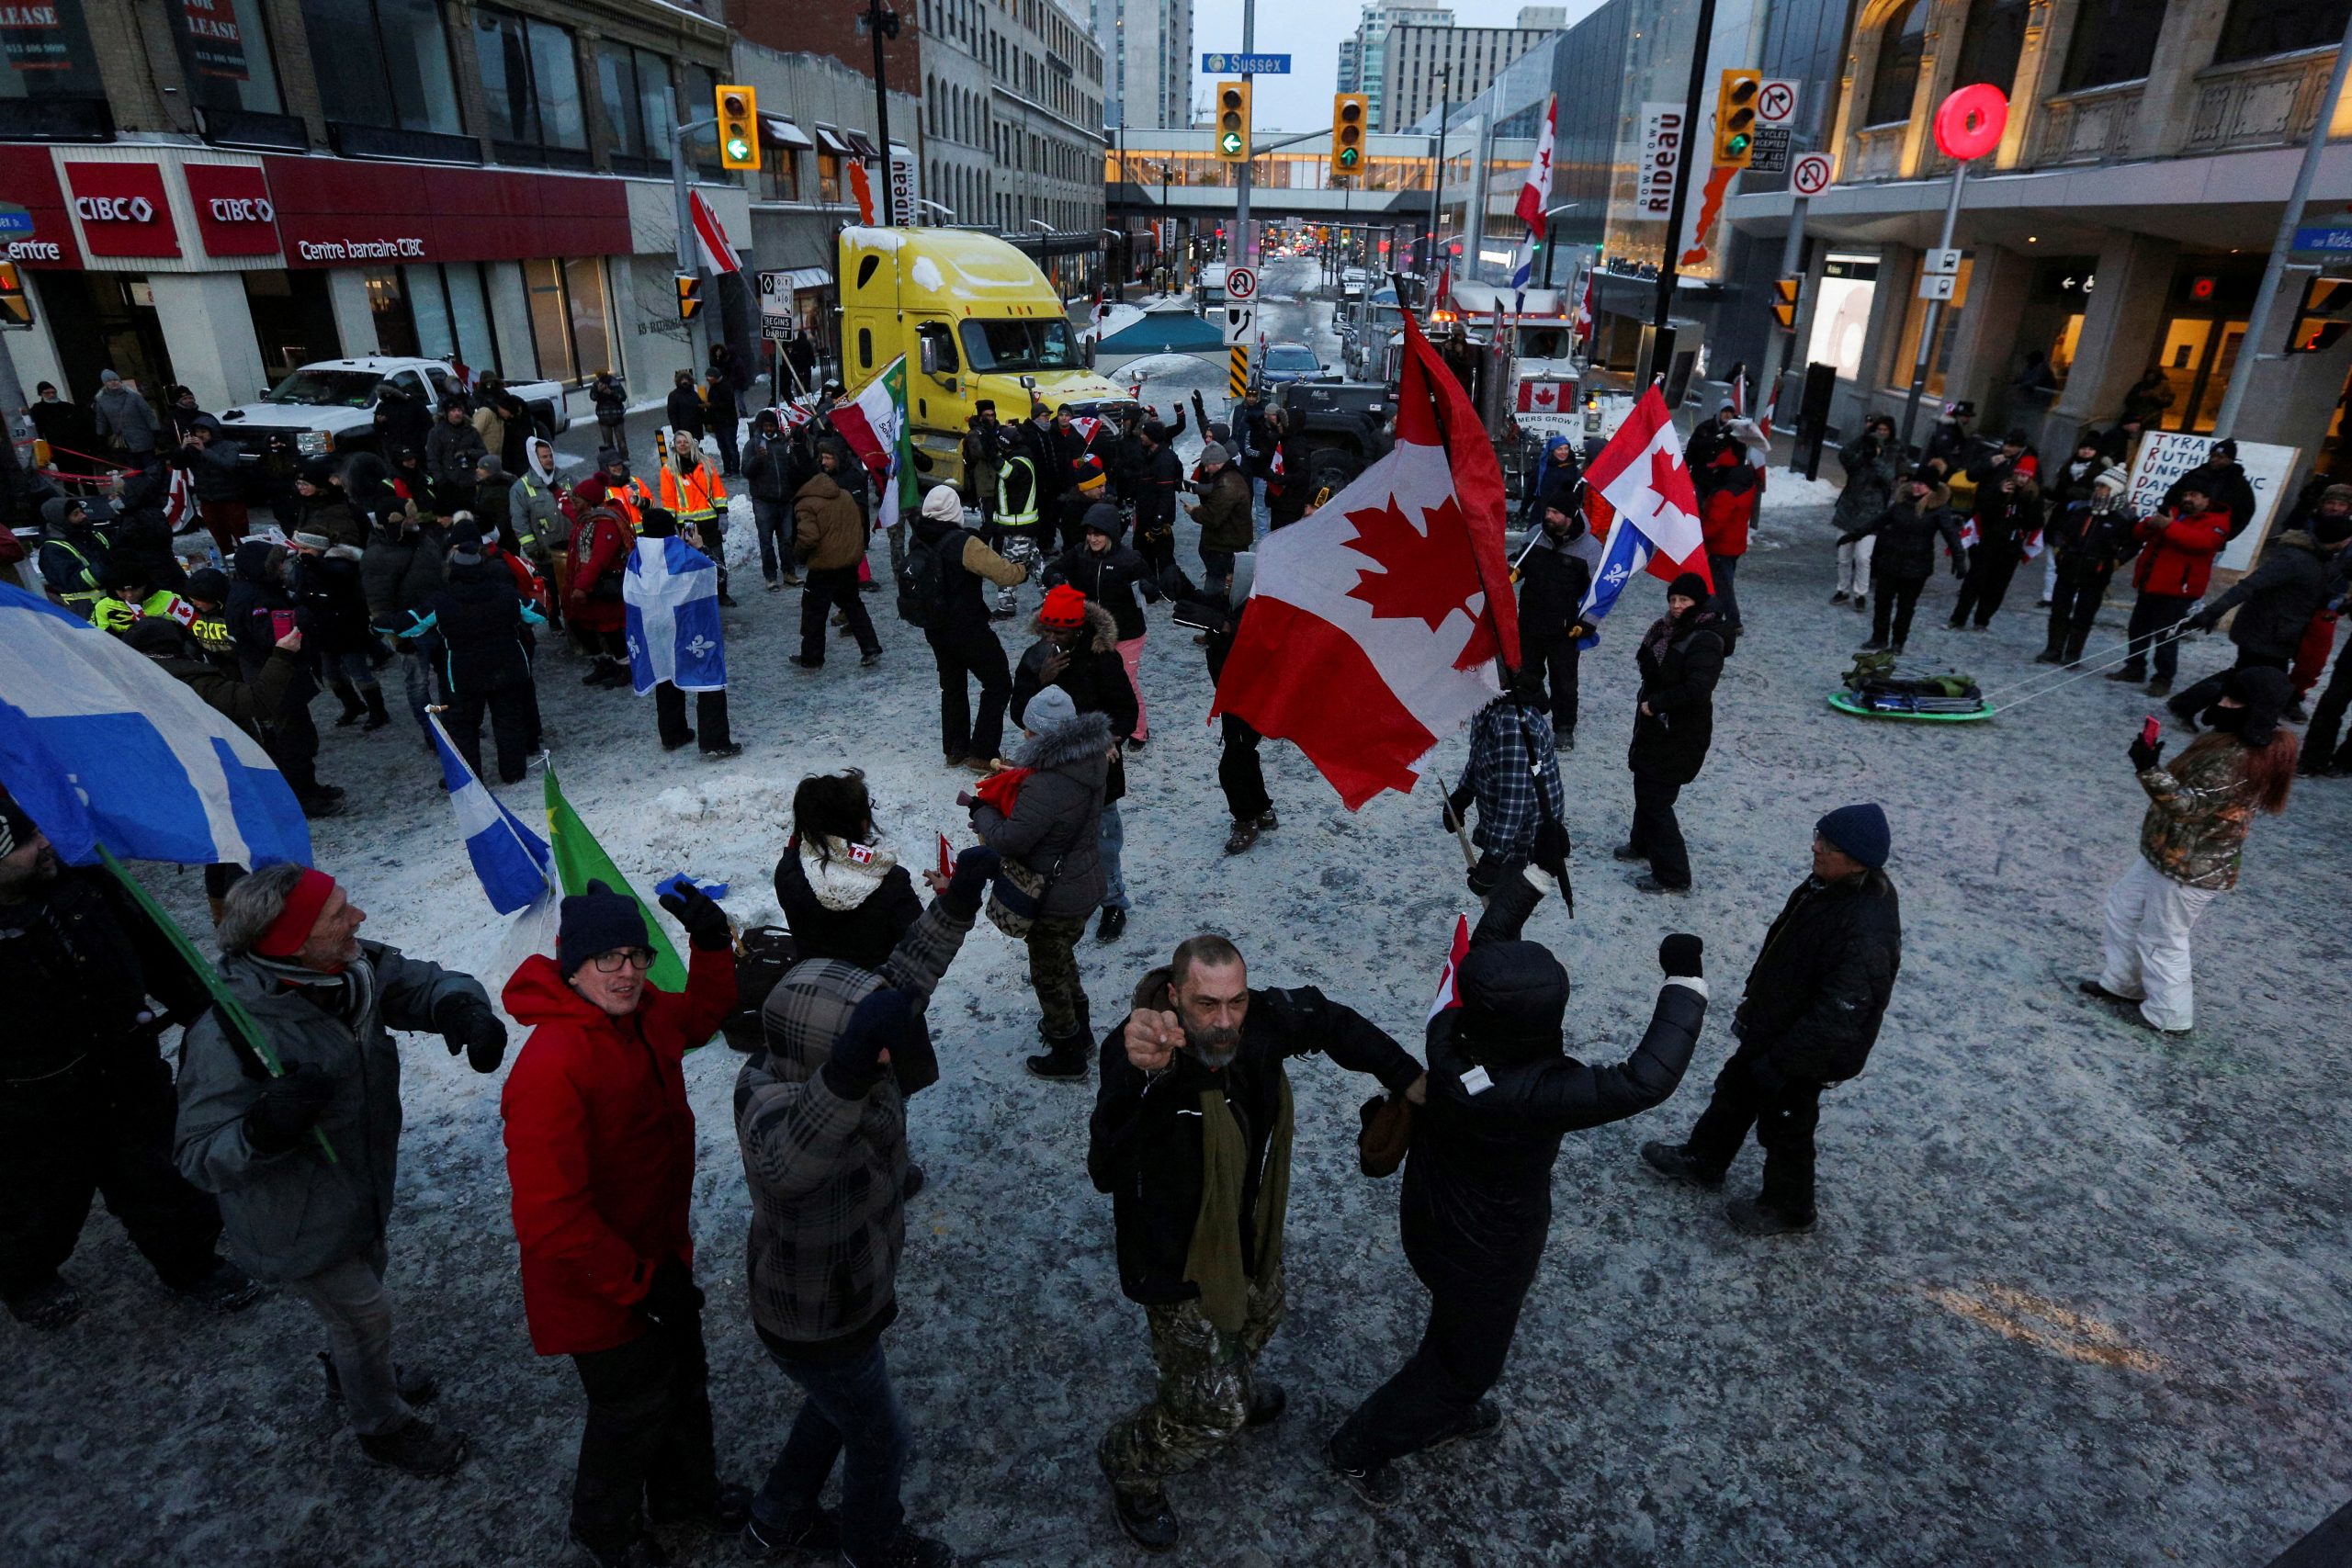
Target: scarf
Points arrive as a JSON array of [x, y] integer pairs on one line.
[[1213, 1262], [843, 876], [346, 996], [1002, 790]]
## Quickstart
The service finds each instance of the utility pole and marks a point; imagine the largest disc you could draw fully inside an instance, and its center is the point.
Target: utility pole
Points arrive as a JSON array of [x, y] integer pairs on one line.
[[698, 330], [2258, 321], [880, 23], [1437, 158], [1934, 314], [1241, 246]]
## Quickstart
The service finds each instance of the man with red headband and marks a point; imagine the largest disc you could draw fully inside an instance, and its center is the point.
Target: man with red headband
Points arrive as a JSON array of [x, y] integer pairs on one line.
[[297, 1215]]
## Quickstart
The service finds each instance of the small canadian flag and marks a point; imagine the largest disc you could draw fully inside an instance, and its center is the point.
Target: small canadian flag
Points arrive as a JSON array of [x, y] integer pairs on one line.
[[1449, 983], [1539, 397]]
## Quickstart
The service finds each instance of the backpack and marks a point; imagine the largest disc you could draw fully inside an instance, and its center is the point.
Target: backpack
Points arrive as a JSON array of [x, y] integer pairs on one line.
[[922, 578]]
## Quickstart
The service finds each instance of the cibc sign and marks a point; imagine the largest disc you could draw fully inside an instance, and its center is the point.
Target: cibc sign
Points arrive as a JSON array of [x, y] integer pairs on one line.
[[122, 210], [234, 216]]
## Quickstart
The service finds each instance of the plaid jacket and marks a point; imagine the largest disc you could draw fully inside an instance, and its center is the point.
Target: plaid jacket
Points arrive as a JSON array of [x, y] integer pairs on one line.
[[1511, 751], [825, 1172]]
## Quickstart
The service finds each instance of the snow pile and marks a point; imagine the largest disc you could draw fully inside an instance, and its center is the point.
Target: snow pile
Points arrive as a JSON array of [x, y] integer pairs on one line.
[[925, 273]]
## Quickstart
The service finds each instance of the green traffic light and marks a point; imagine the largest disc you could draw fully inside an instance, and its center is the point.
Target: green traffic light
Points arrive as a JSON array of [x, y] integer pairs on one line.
[[738, 149], [1739, 143], [1347, 157], [1230, 142]]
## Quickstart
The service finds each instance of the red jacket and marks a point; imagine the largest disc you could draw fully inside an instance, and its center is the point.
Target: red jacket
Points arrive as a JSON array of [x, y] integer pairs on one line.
[[600, 1147], [2178, 558], [1725, 515], [600, 547]]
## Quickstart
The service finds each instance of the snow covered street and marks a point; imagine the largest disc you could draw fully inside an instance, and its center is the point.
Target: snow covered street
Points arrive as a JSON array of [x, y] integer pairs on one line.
[[2079, 1295]]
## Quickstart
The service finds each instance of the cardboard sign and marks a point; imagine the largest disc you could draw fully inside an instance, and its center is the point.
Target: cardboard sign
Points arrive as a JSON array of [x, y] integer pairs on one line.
[[2165, 454]]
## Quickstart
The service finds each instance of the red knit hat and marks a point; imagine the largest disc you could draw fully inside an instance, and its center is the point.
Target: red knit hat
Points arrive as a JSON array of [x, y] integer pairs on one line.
[[1065, 608]]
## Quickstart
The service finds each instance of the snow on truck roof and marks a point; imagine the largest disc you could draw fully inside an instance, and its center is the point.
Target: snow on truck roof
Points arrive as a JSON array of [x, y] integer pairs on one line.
[[959, 263]]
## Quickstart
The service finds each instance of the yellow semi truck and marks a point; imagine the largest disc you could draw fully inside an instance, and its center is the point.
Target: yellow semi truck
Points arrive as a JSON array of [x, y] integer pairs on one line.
[[975, 319]]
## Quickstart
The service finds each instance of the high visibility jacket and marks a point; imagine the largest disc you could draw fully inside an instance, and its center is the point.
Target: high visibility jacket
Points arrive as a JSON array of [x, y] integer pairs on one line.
[[1023, 515], [695, 498], [76, 586], [630, 500], [212, 629], [114, 614]]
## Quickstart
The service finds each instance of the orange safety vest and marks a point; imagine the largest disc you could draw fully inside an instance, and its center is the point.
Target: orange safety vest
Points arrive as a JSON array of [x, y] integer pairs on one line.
[[697, 498], [632, 501]]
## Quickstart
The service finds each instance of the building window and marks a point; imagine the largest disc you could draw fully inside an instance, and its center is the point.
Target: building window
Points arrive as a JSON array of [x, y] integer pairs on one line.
[[383, 63], [829, 178], [2257, 27], [451, 314], [1906, 354], [571, 317], [49, 54], [530, 80], [1990, 47], [780, 173], [702, 102], [1902, 39], [224, 53], [2114, 40], [633, 86]]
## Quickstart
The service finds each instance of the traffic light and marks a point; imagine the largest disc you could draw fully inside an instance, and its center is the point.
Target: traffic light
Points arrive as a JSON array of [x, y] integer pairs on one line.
[[1233, 121], [2323, 317], [1785, 303], [689, 295], [15, 309], [1347, 132], [1735, 117], [739, 128]]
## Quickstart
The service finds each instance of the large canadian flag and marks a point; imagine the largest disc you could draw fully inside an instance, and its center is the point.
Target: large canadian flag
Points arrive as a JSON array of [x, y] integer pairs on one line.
[[1536, 196], [1375, 626], [1640, 480]]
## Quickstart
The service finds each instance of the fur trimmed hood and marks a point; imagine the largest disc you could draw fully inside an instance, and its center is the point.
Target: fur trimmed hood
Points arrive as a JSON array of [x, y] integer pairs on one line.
[[1087, 735], [1103, 631]]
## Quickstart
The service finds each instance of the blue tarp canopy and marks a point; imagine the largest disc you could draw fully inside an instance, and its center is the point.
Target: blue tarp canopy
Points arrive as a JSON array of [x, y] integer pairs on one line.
[[1174, 331]]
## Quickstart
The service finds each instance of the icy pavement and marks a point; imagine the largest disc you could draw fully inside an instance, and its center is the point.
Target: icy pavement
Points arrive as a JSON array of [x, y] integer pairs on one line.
[[2079, 1296]]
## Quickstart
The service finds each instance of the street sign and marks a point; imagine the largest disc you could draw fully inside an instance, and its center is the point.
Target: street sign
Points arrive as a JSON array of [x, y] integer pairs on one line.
[[1240, 323], [1809, 174], [1241, 284], [1937, 285], [1245, 64], [779, 329], [2308, 242], [1944, 263], [1776, 104], [1769, 153], [15, 220]]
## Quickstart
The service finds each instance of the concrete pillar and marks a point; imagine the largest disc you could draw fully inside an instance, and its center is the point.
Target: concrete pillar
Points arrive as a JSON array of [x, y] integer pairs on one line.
[[2291, 401], [208, 332], [35, 353], [1985, 335], [355, 322], [2185, 45], [509, 318], [2119, 326]]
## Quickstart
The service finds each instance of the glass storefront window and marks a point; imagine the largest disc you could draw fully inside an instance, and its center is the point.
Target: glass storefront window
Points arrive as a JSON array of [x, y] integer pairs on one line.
[[529, 80], [383, 63], [451, 313], [469, 310], [1906, 356], [591, 310], [224, 50], [551, 319], [46, 49], [388, 305]]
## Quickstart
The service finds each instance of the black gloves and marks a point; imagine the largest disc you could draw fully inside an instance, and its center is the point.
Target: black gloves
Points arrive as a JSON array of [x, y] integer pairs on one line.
[[2203, 621], [969, 882], [673, 1296], [879, 1021], [1456, 803], [476, 1030], [705, 922], [288, 1108], [1679, 956], [2145, 753]]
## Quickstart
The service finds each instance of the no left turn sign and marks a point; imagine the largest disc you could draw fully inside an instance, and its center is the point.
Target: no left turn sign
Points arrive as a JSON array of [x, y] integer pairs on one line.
[[1241, 284], [1809, 175]]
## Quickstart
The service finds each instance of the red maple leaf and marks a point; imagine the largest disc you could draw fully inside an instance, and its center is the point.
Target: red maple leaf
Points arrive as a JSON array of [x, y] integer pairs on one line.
[[1422, 576], [1671, 483]]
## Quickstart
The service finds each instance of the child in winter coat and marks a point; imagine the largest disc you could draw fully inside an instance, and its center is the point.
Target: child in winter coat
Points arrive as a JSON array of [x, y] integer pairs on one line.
[[1905, 556], [2089, 537]]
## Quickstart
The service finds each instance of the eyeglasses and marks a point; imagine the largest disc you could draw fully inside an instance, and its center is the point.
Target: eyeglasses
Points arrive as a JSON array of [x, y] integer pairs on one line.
[[633, 957]]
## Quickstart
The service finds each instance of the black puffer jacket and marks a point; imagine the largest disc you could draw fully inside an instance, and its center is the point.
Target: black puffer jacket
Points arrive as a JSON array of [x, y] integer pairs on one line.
[[77, 964], [1157, 481], [2005, 519], [1906, 534], [2091, 544], [1554, 577], [1144, 1144], [256, 597], [1055, 825], [1680, 660], [2276, 600], [333, 606], [1110, 577], [1478, 1194], [477, 616], [1819, 988], [400, 572]]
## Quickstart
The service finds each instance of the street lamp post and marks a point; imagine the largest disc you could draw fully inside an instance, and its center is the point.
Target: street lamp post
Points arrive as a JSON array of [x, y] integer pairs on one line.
[[1550, 213], [1437, 160], [881, 22]]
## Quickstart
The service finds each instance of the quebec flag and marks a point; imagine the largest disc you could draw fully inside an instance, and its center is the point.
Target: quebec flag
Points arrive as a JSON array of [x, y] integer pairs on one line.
[[101, 747], [510, 860], [671, 593]]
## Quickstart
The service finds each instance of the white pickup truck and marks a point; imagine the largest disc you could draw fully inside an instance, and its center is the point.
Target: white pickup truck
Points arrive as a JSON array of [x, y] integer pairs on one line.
[[331, 406]]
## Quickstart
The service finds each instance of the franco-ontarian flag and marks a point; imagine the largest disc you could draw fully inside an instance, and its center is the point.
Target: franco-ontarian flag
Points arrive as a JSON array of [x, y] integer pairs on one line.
[[579, 860], [510, 860], [671, 591], [99, 746]]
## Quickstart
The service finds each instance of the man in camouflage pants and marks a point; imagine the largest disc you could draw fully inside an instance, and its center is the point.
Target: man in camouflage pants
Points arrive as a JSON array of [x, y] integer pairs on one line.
[[1190, 1137]]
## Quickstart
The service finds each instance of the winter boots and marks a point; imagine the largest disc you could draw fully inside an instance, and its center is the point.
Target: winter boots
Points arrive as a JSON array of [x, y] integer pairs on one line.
[[1065, 1059], [1673, 1160], [353, 710], [418, 1447], [378, 717]]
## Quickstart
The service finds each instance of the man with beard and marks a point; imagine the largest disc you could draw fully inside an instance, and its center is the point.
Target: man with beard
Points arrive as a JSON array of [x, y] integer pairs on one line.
[[1191, 1138]]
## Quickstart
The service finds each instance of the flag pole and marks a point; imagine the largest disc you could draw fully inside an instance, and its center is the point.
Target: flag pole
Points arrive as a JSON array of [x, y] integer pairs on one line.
[[233, 1014], [1416, 340]]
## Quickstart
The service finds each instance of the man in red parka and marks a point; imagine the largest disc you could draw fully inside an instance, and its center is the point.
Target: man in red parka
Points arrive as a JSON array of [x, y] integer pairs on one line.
[[592, 608], [2178, 547], [1727, 494], [600, 1151]]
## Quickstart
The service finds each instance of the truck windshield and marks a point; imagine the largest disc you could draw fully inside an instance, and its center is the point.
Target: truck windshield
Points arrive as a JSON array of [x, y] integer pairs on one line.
[[327, 389], [1013, 347]]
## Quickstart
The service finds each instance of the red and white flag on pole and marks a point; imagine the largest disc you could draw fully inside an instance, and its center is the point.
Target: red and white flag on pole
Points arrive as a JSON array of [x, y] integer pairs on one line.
[[711, 236], [1444, 294], [1449, 982], [1395, 594], [1739, 393], [1536, 196], [1643, 478], [1584, 318]]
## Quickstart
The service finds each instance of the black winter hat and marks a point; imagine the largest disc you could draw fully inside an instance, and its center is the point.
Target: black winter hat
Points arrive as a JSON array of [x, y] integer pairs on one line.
[[1514, 1003], [1689, 585], [596, 921], [157, 637], [319, 471], [2267, 694], [2225, 447], [209, 583]]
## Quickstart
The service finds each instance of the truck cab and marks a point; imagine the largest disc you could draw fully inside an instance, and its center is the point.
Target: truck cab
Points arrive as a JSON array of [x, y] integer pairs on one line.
[[974, 318]]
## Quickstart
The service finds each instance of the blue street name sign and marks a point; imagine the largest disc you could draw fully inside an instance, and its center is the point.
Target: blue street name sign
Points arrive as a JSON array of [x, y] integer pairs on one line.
[[2325, 241], [1245, 64], [15, 220]]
